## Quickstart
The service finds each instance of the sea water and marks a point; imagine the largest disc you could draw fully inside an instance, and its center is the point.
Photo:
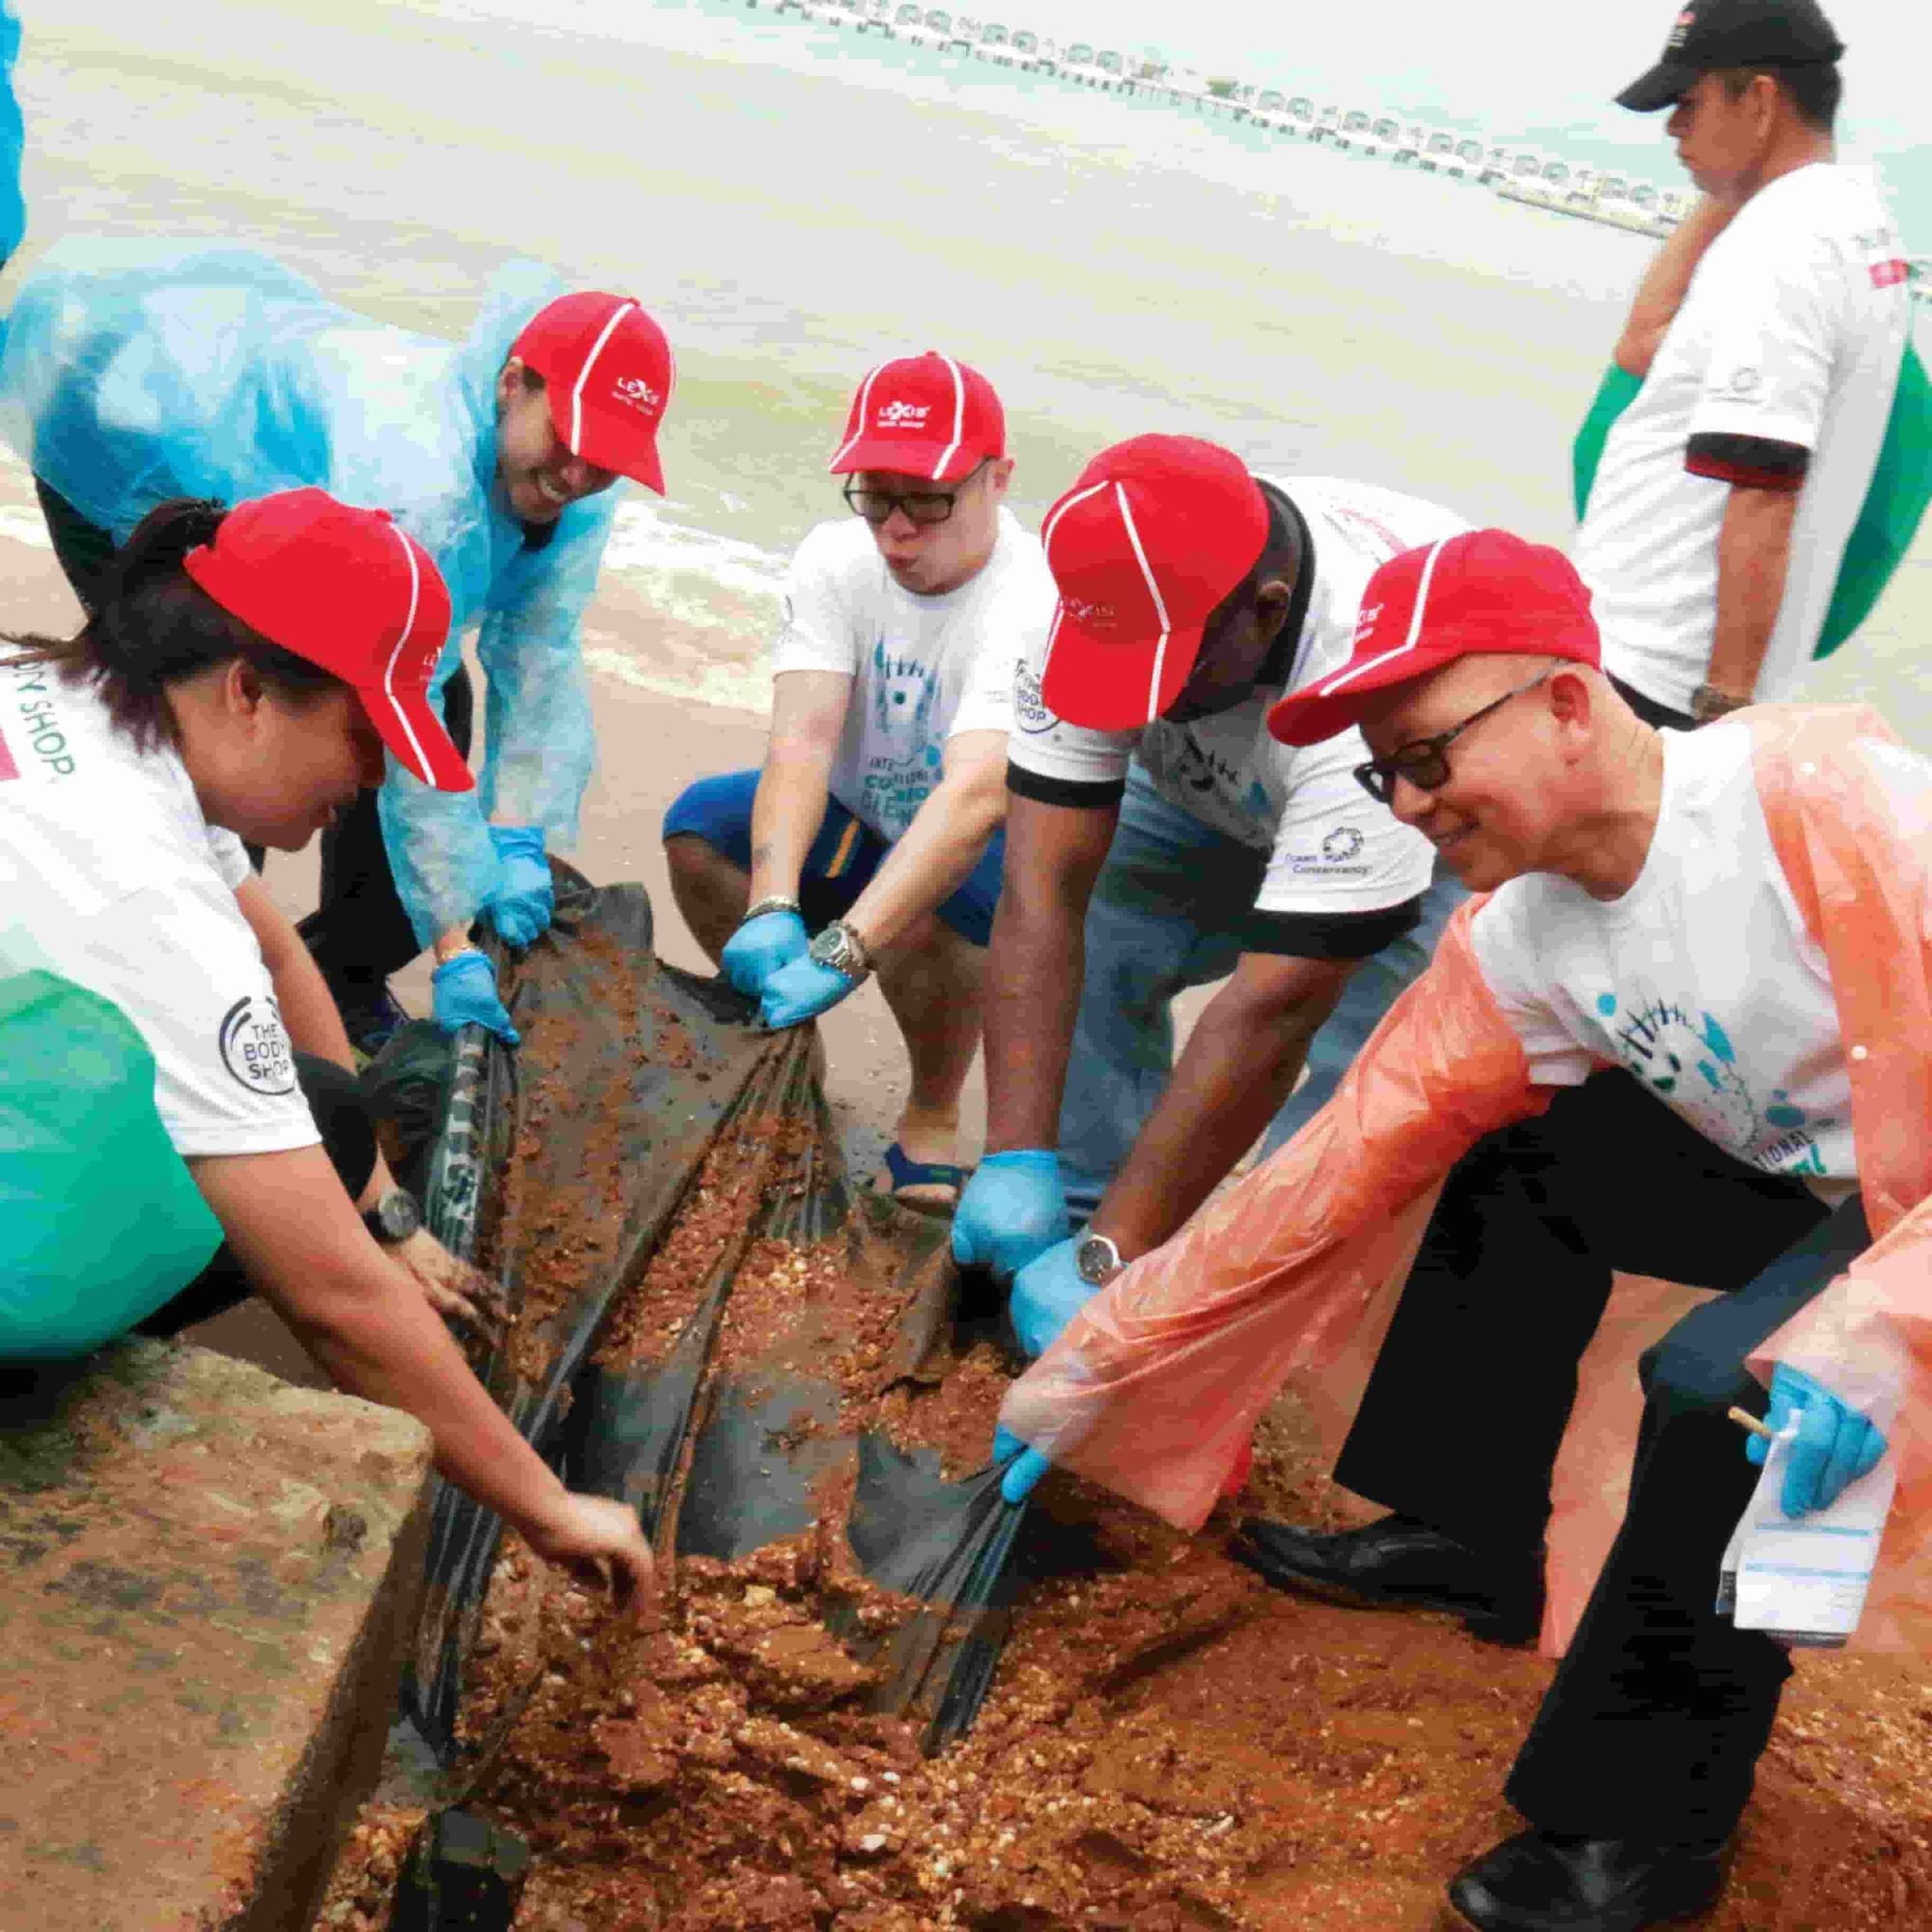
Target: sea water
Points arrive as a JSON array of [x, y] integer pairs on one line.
[[796, 202]]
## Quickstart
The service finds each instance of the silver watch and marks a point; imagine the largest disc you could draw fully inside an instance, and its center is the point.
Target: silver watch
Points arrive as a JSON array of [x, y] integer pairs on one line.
[[1098, 1260], [843, 949]]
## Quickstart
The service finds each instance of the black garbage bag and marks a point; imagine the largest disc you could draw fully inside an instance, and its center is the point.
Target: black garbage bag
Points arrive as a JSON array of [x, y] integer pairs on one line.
[[707, 1317], [556, 1169]]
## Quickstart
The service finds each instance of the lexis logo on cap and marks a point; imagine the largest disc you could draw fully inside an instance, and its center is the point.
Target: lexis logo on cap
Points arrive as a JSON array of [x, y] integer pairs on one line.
[[637, 392], [1365, 623], [1681, 32], [904, 416], [1090, 616]]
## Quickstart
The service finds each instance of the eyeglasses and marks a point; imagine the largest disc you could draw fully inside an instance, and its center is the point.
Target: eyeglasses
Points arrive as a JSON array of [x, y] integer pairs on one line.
[[1422, 761], [922, 506]]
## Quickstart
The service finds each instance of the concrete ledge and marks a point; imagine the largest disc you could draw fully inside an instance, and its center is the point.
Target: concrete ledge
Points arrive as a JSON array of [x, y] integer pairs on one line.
[[207, 1583]]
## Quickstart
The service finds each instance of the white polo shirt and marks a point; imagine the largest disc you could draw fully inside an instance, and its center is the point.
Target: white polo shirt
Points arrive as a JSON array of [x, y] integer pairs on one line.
[[1331, 848], [111, 877], [1779, 370], [924, 669], [1702, 980]]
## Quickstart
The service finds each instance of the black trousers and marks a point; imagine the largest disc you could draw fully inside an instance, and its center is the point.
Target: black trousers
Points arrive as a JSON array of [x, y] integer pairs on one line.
[[1511, 1281], [348, 1136], [359, 933], [1473, 1388], [1655, 1722]]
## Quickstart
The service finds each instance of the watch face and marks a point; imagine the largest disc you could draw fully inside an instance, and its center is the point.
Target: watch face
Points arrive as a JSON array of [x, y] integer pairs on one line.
[[1098, 1260], [398, 1215]]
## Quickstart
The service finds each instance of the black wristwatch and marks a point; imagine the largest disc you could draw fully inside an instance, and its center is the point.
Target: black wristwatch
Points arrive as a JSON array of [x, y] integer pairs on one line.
[[394, 1219]]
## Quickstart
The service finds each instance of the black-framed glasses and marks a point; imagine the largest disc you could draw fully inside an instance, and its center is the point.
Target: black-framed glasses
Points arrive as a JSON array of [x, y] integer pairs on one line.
[[922, 506], [1424, 761]]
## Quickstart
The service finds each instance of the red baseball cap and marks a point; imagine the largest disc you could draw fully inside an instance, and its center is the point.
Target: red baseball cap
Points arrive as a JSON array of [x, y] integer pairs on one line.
[[351, 591], [923, 416], [609, 373], [1479, 593], [1153, 536]]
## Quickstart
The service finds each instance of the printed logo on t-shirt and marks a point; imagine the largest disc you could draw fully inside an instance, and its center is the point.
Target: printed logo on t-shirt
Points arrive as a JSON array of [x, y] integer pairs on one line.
[[1692, 1065], [1030, 712], [10, 770], [255, 1049]]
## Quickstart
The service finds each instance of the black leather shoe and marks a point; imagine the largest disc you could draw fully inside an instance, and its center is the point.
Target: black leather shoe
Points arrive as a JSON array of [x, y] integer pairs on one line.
[[1536, 1884], [1399, 1564]]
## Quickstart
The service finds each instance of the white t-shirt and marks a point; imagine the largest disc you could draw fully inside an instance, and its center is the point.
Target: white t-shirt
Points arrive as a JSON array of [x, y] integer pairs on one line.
[[1780, 367], [1701, 979], [924, 668], [1331, 847], [110, 876]]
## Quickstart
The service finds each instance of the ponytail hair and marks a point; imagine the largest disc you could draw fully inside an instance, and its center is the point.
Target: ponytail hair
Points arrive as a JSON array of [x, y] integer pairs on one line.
[[156, 625]]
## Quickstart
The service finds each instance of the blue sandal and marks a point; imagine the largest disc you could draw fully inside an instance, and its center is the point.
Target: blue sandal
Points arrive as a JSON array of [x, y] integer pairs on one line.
[[906, 1172]]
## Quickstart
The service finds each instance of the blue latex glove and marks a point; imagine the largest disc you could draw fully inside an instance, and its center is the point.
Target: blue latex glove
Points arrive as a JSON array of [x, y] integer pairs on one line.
[[1010, 1212], [1835, 1445], [760, 946], [525, 900], [1029, 1465], [462, 992], [1047, 1295], [801, 991]]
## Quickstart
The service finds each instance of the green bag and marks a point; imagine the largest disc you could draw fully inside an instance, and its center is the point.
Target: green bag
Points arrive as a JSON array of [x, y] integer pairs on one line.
[[101, 1222], [1901, 487]]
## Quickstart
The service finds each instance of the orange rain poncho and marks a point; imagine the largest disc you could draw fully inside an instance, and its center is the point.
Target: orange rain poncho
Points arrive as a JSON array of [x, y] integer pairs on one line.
[[1292, 1276]]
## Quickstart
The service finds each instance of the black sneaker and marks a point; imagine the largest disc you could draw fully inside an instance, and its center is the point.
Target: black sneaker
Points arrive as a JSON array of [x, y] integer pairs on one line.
[[370, 1015], [1400, 1564]]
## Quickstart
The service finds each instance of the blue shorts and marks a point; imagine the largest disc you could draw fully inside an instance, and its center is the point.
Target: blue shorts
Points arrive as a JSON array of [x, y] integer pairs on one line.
[[842, 858]]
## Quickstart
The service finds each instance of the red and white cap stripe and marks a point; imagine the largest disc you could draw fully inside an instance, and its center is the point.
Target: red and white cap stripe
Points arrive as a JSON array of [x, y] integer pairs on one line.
[[423, 767], [958, 417], [596, 347], [859, 414], [1350, 674], [1159, 603]]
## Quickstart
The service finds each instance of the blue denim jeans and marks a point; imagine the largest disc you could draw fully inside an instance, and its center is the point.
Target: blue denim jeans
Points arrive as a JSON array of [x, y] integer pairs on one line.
[[1171, 910]]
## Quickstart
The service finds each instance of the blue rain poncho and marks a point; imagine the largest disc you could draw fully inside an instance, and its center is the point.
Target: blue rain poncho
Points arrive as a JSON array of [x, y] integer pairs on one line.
[[136, 371], [12, 136]]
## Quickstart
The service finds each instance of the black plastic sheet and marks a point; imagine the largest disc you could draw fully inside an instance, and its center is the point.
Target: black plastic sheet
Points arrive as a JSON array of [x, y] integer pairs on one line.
[[563, 1174]]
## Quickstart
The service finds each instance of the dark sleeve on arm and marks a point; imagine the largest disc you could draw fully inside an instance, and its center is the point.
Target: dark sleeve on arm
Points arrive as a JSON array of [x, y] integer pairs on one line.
[[1328, 935], [1753, 462], [1083, 794]]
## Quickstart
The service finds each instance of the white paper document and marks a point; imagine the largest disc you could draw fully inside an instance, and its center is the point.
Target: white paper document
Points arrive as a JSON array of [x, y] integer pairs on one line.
[[1805, 1582]]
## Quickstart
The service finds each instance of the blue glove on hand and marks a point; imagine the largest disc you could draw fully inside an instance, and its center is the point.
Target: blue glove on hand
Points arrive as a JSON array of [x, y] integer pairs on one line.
[[759, 947], [525, 900], [1835, 1445], [801, 991], [462, 992], [1011, 1211], [1047, 1295], [1029, 1465]]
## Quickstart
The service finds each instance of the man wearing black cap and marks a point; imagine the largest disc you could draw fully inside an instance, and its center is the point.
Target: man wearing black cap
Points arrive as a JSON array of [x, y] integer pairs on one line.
[[1768, 339]]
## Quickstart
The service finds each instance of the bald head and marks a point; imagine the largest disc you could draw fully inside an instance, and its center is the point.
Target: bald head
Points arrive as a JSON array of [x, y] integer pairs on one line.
[[1538, 765]]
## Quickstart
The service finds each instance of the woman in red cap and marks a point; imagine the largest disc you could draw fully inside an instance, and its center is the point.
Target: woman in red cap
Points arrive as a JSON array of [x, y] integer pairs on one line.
[[239, 682]]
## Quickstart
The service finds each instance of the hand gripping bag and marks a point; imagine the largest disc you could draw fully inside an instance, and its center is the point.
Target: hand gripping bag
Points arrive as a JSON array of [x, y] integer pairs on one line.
[[101, 1222]]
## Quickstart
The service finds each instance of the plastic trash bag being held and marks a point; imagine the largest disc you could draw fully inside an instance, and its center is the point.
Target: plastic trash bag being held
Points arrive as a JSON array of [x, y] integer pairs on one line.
[[1292, 1276], [132, 372]]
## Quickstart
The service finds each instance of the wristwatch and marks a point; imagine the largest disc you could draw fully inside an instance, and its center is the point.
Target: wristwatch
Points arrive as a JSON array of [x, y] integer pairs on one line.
[[394, 1219], [1098, 1260], [1708, 703], [771, 903], [842, 949]]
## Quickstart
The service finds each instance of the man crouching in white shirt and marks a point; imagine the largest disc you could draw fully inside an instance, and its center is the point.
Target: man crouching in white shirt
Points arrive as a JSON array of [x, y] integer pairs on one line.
[[875, 823]]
